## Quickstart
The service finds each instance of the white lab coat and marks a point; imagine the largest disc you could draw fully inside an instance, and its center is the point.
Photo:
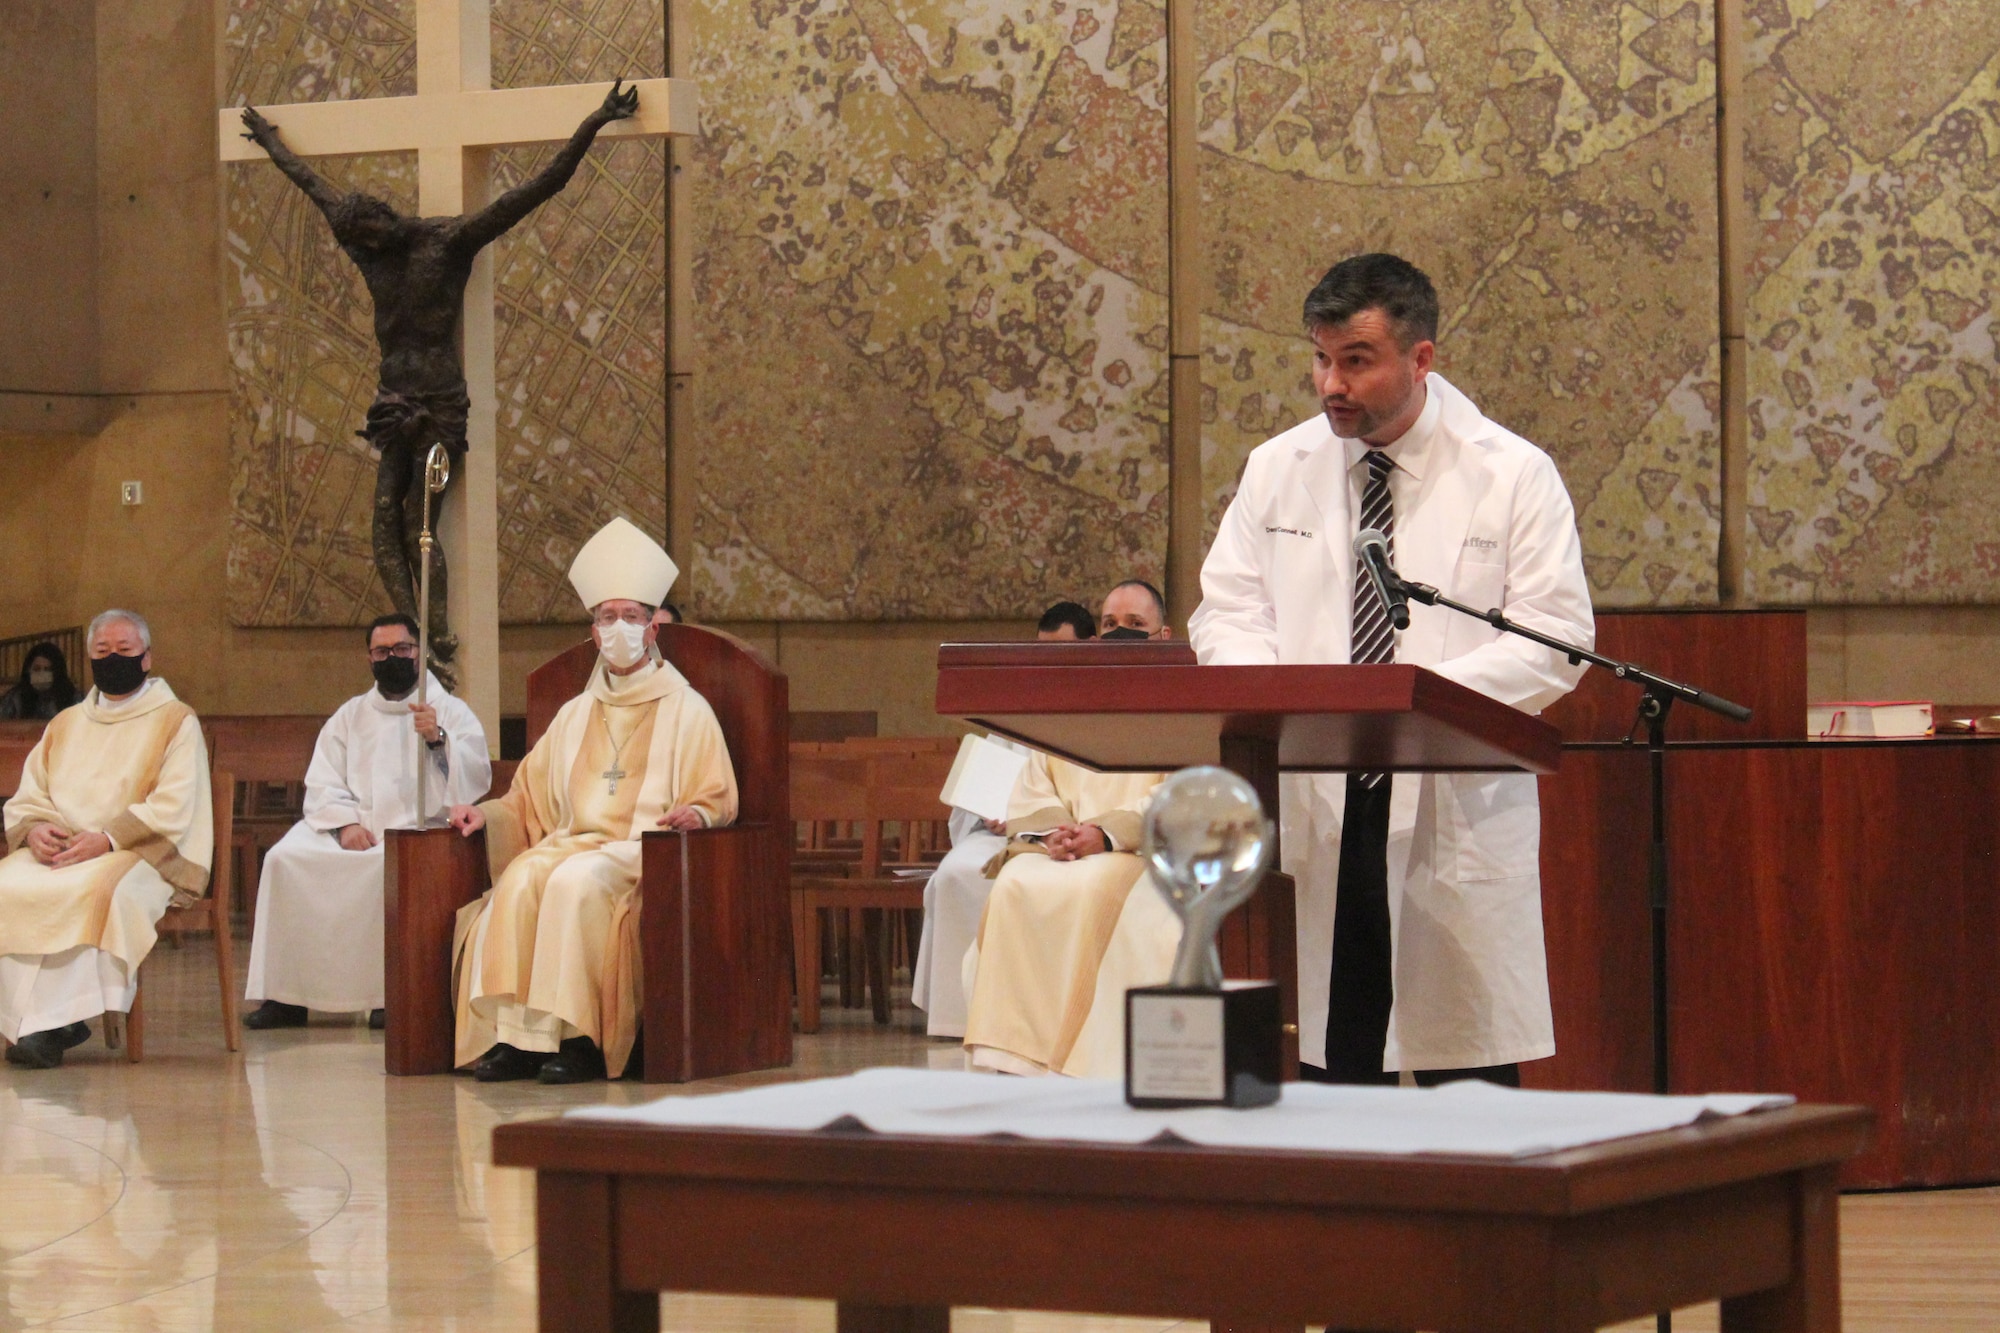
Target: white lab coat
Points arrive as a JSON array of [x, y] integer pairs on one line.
[[1489, 523], [317, 940]]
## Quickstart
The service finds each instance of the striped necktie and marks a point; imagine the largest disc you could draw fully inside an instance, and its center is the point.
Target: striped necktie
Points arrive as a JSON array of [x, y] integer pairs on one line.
[[1374, 638]]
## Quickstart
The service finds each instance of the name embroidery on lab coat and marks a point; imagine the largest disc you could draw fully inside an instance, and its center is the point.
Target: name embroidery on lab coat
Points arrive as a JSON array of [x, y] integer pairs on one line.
[[1296, 532]]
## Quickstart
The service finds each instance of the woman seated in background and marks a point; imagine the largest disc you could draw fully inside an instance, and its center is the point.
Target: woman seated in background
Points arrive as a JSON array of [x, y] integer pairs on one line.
[[44, 689]]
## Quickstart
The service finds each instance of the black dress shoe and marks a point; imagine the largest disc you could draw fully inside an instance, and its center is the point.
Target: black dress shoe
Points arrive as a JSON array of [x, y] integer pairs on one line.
[[275, 1014], [635, 1063], [378, 1019], [44, 1050], [505, 1064], [579, 1061]]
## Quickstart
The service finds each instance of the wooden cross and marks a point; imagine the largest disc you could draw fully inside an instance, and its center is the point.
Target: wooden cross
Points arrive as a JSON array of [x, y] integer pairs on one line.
[[453, 122]]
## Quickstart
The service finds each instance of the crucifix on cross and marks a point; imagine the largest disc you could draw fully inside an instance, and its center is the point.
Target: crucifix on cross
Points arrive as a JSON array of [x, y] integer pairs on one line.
[[453, 121]]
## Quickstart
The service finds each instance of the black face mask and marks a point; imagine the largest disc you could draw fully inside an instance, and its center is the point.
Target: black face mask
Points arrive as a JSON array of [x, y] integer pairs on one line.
[[116, 674], [1124, 632], [396, 676]]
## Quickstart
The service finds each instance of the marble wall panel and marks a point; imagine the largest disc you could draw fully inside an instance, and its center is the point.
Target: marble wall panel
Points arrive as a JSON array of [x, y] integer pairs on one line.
[[580, 293], [1551, 164], [579, 316], [1872, 161], [929, 305]]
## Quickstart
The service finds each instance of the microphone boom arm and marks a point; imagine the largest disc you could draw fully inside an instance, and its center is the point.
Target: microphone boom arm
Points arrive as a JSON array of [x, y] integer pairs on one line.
[[1653, 683]]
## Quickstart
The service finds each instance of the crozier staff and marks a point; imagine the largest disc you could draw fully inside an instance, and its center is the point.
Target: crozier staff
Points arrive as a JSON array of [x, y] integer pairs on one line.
[[1419, 909]]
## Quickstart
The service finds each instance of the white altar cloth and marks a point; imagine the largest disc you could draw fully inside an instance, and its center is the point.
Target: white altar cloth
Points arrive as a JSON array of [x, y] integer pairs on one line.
[[1466, 1119]]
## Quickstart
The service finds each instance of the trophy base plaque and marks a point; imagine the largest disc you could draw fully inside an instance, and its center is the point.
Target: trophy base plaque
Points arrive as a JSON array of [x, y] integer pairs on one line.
[[1191, 1046]]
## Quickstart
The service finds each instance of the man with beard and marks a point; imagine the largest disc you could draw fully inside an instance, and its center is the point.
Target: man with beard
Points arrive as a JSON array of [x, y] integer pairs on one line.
[[1419, 895]]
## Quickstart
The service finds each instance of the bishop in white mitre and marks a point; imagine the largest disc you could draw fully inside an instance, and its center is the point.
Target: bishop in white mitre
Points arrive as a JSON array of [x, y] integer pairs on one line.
[[317, 943], [112, 825], [546, 965], [1070, 863]]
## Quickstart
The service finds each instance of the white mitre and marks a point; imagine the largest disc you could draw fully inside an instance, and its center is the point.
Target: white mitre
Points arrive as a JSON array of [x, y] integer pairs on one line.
[[621, 563]]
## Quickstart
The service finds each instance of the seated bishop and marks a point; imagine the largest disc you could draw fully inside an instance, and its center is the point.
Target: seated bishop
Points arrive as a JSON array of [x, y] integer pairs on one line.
[[111, 826], [318, 937], [955, 894], [546, 964], [1070, 863]]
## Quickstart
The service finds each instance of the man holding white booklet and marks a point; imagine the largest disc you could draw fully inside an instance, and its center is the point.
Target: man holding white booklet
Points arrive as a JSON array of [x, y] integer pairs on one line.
[[981, 783], [1057, 889]]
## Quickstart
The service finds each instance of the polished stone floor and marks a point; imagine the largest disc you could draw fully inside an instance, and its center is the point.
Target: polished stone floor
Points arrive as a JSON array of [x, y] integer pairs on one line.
[[295, 1186]]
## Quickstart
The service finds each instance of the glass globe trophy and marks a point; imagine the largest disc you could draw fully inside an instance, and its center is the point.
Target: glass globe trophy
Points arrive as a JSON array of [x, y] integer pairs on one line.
[[1200, 1040]]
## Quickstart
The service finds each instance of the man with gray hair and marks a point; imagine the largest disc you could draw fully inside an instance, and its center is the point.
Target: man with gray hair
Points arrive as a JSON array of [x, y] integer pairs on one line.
[[111, 826]]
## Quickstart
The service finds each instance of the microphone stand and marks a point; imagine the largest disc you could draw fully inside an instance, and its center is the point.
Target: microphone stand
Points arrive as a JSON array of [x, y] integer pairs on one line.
[[1658, 694], [1657, 697]]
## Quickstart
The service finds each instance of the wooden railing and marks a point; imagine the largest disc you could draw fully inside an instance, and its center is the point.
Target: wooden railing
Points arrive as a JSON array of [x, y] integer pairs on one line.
[[14, 654]]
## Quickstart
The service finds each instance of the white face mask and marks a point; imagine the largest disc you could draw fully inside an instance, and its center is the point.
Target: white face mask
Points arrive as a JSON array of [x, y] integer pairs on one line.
[[623, 644]]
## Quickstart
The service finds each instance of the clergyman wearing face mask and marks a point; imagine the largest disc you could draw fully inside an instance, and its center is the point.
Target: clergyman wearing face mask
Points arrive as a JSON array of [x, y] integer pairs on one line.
[[317, 944]]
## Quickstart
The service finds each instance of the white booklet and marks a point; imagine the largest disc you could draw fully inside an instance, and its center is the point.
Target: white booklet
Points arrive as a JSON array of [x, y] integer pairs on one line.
[[982, 777]]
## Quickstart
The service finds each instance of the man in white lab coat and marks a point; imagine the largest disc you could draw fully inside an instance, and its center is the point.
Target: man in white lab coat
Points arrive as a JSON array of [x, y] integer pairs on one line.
[[1419, 913]]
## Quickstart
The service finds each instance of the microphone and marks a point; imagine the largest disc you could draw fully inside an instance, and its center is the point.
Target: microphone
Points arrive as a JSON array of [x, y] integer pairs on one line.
[[1371, 548]]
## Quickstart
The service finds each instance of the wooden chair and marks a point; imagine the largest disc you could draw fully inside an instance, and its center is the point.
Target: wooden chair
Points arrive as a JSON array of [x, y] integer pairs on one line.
[[714, 934], [874, 790], [822, 840], [212, 914], [269, 754]]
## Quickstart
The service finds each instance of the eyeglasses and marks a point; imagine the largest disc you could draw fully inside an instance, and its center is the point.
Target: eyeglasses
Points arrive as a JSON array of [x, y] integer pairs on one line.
[[404, 650], [636, 616]]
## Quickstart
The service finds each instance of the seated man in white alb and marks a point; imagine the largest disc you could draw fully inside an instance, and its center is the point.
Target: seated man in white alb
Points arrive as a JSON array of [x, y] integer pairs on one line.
[[1071, 860], [955, 895], [318, 937], [546, 964], [111, 826]]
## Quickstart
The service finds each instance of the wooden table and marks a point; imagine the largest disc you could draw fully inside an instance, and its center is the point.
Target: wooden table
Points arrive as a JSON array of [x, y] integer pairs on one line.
[[899, 1229]]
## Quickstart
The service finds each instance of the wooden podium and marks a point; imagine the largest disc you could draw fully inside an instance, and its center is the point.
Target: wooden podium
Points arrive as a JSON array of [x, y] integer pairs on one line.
[[1146, 707]]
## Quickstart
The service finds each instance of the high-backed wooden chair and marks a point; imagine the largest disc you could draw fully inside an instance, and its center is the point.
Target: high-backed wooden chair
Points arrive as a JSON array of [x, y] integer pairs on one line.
[[715, 938]]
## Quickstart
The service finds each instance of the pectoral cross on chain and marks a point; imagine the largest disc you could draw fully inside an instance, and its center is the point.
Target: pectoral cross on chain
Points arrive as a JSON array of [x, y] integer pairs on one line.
[[611, 775]]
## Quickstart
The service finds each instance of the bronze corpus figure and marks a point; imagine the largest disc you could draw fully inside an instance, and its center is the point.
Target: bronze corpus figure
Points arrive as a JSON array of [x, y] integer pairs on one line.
[[417, 270]]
